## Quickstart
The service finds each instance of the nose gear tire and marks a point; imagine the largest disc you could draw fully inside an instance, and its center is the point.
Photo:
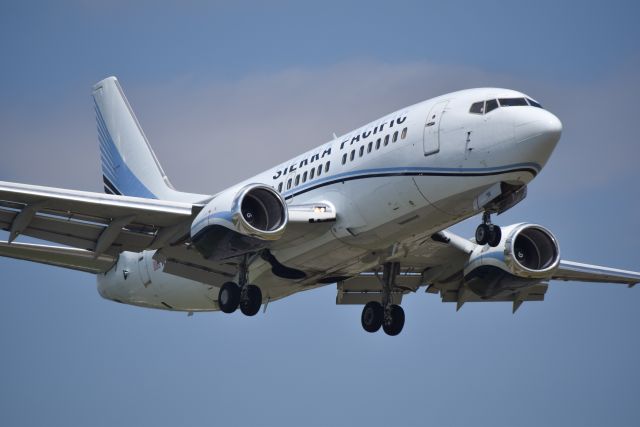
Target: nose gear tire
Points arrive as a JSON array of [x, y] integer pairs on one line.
[[482, 234], [495, 235]]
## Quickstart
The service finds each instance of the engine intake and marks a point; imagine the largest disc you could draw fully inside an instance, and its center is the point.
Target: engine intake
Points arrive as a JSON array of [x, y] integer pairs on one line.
[[528, 254], [262, 209], [239, 221], [531, 251]]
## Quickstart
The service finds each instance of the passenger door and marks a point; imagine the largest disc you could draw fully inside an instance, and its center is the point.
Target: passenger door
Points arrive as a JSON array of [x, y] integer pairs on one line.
[[431, 136]]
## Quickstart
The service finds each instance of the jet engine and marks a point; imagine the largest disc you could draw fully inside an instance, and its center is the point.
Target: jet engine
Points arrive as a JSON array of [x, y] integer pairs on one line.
[[527, 254], [239, 221]]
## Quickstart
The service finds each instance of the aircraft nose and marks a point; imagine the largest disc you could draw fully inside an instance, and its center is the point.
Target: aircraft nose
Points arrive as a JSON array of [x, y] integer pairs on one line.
[[540, 125]]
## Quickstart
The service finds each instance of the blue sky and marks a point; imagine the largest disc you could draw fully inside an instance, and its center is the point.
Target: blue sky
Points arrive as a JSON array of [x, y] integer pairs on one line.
[[226, 90]]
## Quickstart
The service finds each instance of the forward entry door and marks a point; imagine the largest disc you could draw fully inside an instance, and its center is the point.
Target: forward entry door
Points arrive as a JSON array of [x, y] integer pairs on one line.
[[431, 136]]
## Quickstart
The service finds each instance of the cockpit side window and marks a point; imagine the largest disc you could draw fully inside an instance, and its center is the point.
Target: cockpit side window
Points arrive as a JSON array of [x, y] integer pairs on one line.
[[512, 102], [492, 104], [534, 103], [477, 108]]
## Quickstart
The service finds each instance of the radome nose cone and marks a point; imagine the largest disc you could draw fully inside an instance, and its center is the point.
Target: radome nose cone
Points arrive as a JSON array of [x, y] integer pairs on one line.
[[544, 124], [553, 126]]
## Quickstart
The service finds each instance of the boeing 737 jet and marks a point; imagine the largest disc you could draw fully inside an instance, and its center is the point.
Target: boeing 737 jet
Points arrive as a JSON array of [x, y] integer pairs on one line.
[[368, 211]]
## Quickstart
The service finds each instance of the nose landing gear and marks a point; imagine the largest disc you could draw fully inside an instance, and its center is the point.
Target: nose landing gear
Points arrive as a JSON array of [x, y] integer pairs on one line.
[[247, 297], [387, 315], [488, 233]]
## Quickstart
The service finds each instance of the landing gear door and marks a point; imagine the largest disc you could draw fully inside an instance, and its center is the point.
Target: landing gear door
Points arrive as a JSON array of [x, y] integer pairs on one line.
[[431, 136]]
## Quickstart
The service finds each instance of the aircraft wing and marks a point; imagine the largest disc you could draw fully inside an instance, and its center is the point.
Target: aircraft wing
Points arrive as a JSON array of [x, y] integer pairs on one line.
[[570, 270], [438, 262], [100, 223], [71, 258]]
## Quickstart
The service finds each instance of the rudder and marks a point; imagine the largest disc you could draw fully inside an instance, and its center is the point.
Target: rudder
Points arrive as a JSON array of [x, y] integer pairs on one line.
[[129, 165]]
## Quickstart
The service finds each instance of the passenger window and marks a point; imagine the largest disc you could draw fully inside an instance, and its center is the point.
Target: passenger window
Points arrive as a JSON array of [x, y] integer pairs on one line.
[[477, 108], [386, 140], [289, 184], [352, 155], [280, 188], [378, 144], [326, 166], [344, 158], [369, 147], [361, 151], [404, 133], [319, 170], [311, 173], [492, 104], [297, 180], [395, 136], [304, 177]]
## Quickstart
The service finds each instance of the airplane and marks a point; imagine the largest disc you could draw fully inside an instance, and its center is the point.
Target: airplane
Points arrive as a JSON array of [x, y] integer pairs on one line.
[[368, 211]]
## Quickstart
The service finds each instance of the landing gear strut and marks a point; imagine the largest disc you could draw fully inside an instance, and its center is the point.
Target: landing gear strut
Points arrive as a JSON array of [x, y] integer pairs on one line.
[[247, 297], [387, 315], [488, 233]]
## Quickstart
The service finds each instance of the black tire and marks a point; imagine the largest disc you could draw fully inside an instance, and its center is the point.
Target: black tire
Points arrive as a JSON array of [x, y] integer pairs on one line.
[[495, 235], [229, 297], [482, 234], [251, 305], [395, 323], [372, 316]]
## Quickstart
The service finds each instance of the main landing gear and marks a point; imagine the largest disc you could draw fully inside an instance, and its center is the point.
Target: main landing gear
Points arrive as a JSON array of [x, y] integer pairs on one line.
[[488, 233], [387, 315], [247, 297]]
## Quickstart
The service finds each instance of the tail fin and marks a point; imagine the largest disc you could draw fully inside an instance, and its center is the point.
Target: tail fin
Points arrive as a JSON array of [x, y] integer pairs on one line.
[[129, 165]]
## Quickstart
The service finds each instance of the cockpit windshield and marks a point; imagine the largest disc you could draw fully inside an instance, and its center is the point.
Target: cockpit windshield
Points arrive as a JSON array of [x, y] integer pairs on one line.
[[484, 107], [512, 102]]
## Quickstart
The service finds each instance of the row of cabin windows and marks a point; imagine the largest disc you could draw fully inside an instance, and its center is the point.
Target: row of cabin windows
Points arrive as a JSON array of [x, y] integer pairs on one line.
[[306, 175], [369, 147]]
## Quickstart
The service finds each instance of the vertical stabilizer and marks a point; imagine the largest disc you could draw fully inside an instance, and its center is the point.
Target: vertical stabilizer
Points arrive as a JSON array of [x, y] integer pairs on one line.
[[129, 165]]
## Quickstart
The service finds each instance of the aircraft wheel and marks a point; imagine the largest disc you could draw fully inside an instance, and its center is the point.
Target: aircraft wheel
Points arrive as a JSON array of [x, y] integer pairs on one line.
[[250, 305], [495, 235], [482, 234], [394, 322], [372, 316], [229, 297]]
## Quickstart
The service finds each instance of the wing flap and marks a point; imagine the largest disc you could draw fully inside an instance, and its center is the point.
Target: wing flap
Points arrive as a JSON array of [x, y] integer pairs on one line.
[[90, 206], [71, 258], [93, 221]]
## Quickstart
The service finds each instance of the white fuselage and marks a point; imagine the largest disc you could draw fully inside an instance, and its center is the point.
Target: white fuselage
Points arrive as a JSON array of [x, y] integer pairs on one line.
[[444, 158]]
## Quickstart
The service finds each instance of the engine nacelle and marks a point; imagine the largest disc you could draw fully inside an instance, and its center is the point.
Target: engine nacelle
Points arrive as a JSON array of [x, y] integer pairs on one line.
[[527, 254], [236, 222]]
